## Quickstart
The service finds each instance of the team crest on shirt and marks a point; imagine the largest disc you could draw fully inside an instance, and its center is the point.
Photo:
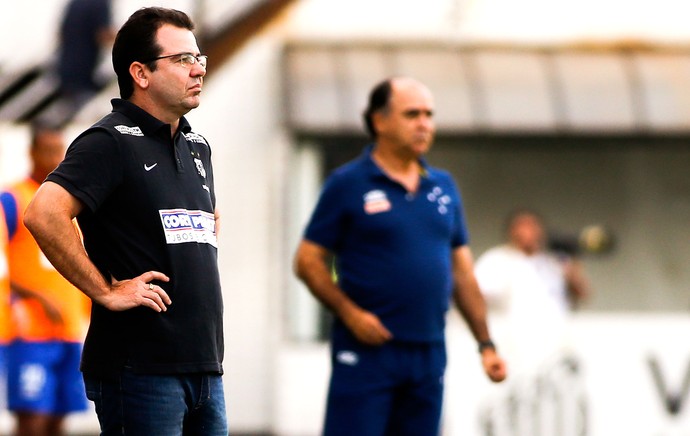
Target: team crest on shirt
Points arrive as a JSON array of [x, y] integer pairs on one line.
[[376, 201], [442, 200]]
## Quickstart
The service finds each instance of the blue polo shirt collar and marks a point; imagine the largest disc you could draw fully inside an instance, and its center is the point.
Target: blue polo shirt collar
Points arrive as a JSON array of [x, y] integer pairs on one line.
[[374, 171]]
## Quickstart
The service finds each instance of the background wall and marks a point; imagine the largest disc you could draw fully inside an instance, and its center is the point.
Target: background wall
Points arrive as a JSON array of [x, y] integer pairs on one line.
[[640, 192]]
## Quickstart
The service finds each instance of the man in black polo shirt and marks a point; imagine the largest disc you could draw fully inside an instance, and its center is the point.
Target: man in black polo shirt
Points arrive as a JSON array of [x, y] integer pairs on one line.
[[140, 184]]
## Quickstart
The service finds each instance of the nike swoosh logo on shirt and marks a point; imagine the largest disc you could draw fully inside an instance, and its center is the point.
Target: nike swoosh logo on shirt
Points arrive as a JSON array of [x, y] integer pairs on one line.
[[149, 168]]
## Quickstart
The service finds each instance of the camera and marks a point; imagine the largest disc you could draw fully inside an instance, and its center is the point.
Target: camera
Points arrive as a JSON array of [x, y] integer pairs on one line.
[[592, 239]]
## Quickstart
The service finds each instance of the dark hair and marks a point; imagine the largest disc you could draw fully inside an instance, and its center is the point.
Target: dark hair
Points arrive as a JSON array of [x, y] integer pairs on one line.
[[136, 41], [378, 100]]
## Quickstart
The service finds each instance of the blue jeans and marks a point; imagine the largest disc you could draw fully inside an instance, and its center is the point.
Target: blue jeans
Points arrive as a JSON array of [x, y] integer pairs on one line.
[[159, 405]]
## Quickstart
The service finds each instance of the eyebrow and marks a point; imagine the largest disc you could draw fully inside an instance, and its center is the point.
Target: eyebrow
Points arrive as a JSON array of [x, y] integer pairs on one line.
[[417, 112]]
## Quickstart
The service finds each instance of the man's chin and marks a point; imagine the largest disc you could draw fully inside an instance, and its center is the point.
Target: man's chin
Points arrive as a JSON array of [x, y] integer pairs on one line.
[[421, 147], [192, 103]]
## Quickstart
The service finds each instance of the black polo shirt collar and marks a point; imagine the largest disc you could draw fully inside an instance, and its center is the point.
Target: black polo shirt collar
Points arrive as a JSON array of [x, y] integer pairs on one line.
[[149, 124]]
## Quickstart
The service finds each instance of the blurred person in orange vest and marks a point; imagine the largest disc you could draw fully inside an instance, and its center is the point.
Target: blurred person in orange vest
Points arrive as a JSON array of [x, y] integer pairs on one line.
[[48, 314]]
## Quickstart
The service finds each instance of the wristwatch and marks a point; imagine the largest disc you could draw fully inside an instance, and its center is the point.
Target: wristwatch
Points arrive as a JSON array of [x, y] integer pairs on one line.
[[486, 344]]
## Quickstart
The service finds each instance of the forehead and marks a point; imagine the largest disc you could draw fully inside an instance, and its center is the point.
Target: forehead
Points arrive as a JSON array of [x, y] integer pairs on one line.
[[49, 139], [526, 220], [176, 39], [408, 94]]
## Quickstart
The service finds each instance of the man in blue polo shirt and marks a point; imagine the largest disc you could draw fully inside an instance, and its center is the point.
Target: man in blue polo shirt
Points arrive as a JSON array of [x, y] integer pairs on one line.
[[396, 229]]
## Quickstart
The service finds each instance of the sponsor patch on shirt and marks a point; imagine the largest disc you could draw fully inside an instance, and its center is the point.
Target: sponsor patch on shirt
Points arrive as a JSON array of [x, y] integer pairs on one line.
[[195, 137], [126, 130], [376, 202], [181, 226]]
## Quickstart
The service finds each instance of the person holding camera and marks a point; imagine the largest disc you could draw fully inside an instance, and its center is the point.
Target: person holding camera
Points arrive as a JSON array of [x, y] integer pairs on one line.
[[530, 288]]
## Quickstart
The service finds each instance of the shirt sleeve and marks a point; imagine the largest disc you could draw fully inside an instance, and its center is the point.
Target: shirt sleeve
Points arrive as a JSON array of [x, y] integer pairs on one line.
[[492, 272], [92, 168], [329, 216], [460, 235]]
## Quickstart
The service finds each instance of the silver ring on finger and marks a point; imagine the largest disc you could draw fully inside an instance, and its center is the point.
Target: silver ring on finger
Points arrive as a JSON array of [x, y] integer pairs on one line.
[[150, 286]]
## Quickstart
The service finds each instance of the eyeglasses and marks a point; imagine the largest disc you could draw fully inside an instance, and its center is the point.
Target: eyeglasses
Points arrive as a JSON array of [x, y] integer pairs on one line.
[[186, 59]]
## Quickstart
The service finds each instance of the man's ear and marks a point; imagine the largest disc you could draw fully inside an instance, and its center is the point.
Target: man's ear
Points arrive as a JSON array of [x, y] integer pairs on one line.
[[140, 74], [378, 121]]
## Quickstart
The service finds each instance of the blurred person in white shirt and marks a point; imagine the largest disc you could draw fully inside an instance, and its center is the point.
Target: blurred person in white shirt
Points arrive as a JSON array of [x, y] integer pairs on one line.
[[530, 291]]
